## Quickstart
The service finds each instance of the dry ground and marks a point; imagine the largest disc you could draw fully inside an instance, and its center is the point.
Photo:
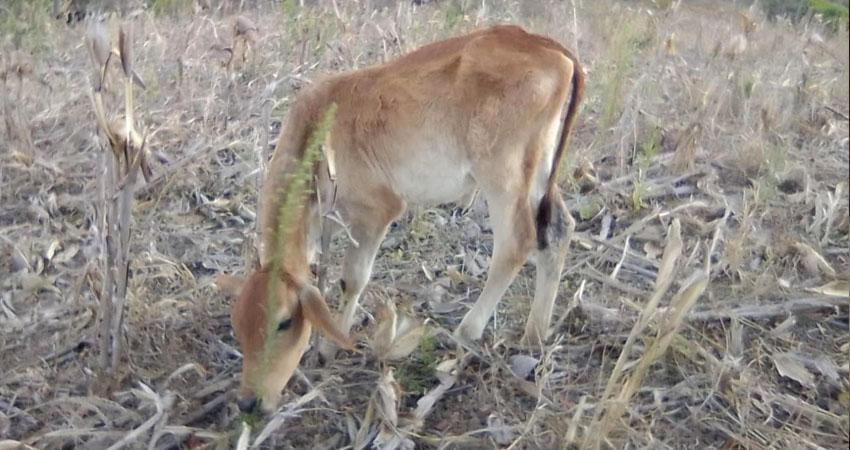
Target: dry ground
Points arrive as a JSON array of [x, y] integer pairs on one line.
[[739, 140]]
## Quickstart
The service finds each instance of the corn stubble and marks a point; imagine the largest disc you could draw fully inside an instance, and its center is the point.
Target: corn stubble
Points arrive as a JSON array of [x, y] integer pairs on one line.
[[759, 362], [126, 155]]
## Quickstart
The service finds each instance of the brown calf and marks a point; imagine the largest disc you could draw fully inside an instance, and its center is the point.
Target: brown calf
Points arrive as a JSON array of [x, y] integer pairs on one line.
[[480, 111]]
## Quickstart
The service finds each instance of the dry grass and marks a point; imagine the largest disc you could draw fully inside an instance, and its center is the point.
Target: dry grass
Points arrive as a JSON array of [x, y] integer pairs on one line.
[[706, 146]]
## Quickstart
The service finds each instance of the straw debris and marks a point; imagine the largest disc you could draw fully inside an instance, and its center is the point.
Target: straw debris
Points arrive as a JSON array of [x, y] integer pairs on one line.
[[704, 300]]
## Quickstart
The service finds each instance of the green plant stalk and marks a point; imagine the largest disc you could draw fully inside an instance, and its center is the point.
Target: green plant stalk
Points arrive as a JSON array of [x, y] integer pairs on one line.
[[830, 10], [648, 149], [415, 372], [637, 192], [24, 25], [295, 190], [621, 47]]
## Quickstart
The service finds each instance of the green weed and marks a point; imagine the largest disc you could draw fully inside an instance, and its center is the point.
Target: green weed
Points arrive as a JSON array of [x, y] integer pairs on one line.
[[290, 10], [589, 206], [766, 186], [630, 35], [649, 148], [833, 14], [253, 419], [24, 25], [170, 7], [296, 189], [452, 13], [639, 191], [416, 373]]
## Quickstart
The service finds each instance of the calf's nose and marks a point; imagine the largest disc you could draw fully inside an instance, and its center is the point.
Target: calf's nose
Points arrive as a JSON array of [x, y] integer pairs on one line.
[[247, 404]]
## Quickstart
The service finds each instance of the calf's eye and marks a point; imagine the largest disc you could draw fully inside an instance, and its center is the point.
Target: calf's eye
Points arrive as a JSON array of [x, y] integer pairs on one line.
[[284, 325]]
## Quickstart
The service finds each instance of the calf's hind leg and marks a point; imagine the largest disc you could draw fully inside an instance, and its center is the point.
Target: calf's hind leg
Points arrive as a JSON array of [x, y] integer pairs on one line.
[[555, 231], [513, 229]]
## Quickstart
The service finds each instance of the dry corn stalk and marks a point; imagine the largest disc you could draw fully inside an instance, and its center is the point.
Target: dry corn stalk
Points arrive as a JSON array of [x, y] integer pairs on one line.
[[127, 156], [245, 33], [666, 331], [622, 386], [748, 24], [19, 66]]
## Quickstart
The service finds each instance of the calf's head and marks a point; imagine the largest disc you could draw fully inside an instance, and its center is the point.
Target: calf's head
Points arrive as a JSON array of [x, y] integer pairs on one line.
[[273, 333]]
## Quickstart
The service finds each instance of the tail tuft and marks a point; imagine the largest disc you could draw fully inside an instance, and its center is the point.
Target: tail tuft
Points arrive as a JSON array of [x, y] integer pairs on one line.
[[550, 220], [551, 223]]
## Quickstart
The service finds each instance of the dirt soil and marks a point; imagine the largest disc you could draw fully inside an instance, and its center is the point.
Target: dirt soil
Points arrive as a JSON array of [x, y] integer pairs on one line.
[[707, 132]]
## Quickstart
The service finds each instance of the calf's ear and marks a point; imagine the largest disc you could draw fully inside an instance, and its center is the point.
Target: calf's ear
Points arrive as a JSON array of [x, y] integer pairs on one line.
[[231, 285], [316, 311]]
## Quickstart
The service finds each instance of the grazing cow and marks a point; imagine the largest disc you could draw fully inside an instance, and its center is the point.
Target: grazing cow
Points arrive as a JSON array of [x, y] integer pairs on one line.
[[479, 111]]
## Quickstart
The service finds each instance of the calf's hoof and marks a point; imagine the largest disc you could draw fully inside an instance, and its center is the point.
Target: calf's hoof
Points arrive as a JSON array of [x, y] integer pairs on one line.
[[468, 332]]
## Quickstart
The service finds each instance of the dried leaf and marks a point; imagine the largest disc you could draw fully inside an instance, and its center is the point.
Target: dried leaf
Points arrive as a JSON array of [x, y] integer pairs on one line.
[[790, 367], [684, 300], [428, 274], [67, 254], [837, 288], [439, 304], [22, 158], [389, 439], [33, 283], [502, 433], [137, 79], [455, 275], [244, 436], [100, 50], [51, 250], [118, 128], [605, 228], [197, 368], [652, 250], [445, 370], [735, 345], [608, 318], [670, 44], [472, 265], [98, 43], [784, 327], [672, 251], [19, 260], [384, 335], [244, 25], [522, 365], [827, 368], [405, 344], [164, 159], [39, 213], [362, 436], [288, 411], [388, 392], [14, 445], [447, 376], [844, 399], [125, 43], [396, 337], [572, 431], [220, 203], [814, 261]]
